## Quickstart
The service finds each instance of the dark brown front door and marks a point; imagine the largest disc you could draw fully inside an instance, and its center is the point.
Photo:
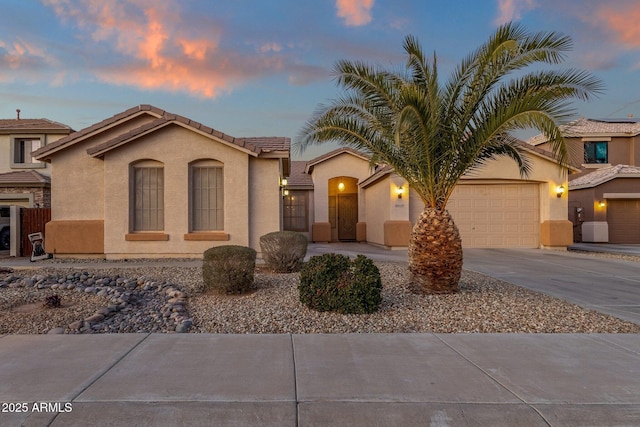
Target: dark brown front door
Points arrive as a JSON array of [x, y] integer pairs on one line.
[[347, 216]]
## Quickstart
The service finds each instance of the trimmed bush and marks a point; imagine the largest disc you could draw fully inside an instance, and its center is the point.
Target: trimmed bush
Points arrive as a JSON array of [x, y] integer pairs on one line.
[[332, 282], [229, 269], [283, 251]]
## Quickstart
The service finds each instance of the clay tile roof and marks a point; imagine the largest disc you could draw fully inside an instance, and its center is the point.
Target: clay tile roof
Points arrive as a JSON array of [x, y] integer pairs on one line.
[[120, 139], [257, 145], [69, 139], [584, 127], [23, 178], [268, 143], [32, 125], [298, 177], [602, 175]]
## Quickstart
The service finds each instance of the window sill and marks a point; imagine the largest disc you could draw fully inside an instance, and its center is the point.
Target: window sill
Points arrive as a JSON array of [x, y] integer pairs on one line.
[[218, 236], [595, 165], [28, 165], [145, 237]]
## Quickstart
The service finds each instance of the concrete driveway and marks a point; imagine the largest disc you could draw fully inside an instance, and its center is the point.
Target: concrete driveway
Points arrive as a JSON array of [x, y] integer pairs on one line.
[[607, 285]]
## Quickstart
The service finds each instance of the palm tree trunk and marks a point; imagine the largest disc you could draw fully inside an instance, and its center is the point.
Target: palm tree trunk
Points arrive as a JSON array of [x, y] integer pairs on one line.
[[435, 253]]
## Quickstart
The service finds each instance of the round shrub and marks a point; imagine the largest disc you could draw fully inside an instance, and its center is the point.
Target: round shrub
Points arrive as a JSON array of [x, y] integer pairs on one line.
[[332, 282], [229, 269], [283, 251]]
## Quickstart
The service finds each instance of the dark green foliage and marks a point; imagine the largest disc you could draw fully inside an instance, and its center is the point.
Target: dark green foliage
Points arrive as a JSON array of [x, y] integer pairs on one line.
[[283, 251], [332, 282], [229, 269]]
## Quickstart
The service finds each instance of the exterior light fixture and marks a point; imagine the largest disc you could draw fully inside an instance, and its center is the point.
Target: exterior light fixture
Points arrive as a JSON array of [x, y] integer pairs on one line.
[[285, 192], [559, 191], [400, 191], [602, 203], [283, 182], [341, 186]]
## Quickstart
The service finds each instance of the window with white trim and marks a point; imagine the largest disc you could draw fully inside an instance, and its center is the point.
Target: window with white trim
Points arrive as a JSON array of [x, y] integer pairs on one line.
[[206, 196], [21, 149]]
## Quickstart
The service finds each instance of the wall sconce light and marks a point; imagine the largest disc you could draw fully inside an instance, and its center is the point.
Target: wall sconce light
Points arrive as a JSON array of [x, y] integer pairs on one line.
[[283, 182], [559, 191], [283, 187], [285, 192], [400, 191], [341, 186], [602, 203]]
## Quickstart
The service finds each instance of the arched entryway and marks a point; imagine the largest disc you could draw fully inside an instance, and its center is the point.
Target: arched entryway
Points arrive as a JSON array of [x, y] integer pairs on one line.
[[343, 208]]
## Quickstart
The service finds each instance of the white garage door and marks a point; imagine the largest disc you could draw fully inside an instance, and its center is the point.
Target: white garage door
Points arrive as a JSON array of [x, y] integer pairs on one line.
[[497, 215]]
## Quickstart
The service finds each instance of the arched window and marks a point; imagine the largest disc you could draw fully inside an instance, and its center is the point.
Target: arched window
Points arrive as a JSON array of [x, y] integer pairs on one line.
[[148, 195], [206, 196]]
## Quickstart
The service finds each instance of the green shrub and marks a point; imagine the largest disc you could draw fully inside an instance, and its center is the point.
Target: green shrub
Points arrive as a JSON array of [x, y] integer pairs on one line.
[[283, 251], [229, 269], [332, 282]]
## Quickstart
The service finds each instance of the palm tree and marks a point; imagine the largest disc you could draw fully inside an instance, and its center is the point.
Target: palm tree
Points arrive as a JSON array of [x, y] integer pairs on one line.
[[432, 134]]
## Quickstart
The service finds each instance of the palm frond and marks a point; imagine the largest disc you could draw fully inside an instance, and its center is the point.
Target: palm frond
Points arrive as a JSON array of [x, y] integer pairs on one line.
[[433, 134]]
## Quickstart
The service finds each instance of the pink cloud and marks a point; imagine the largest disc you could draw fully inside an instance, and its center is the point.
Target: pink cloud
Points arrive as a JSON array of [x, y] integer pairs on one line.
[[621, 21], [511, 10], [355, 12], [32, 62], [270, 47], [150, 47]]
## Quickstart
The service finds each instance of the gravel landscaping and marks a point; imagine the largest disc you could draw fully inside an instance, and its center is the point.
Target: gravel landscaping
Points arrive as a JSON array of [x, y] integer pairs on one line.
[[170, 299]]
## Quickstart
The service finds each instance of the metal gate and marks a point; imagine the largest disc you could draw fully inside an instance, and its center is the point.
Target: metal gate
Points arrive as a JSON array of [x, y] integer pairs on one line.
[[32, 220]]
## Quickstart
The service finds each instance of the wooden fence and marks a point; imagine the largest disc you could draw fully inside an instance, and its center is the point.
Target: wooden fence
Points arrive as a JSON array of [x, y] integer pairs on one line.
[[32, 221]]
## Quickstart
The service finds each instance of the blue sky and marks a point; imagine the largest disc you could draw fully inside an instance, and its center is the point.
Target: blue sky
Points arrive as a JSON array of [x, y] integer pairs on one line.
[[260, 68]]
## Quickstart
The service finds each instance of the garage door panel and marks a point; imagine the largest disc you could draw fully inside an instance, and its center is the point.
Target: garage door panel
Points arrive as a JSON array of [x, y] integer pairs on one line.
[[623, 217], [497, 215]]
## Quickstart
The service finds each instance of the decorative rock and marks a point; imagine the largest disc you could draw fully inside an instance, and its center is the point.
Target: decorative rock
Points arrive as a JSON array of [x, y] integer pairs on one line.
[[76, 325], [97, 317], [56, 331], [184, 326]]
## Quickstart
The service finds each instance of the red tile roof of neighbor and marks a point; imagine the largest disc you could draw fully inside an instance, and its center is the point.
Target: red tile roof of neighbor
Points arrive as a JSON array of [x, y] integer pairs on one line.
[[32, 125], [604, 174], [584, 127], [257, 145], [23, 178]]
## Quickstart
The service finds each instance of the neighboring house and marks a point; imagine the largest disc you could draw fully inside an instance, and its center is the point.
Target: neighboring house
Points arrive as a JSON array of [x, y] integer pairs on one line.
[[148, 183], [494, 207], [604, 196], [25, 181]]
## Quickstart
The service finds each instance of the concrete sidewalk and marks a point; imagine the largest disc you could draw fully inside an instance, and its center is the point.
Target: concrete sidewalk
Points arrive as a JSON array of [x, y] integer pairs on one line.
[[320, 380]]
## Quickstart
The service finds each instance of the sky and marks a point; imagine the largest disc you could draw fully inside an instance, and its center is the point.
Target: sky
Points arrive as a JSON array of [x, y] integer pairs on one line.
[[261, 68]]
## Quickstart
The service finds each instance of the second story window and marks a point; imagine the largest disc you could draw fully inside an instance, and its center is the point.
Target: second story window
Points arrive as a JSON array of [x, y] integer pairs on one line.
[[21, 149], [596, 152]]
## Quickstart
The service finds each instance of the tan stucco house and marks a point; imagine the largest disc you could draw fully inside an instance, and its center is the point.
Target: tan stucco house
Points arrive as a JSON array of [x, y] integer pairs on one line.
[[146, 182], [604, 194], [347, 200], [25, 181]]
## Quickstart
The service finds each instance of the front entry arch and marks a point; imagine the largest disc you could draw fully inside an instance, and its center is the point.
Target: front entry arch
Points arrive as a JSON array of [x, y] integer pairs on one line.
[[343, 207]]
